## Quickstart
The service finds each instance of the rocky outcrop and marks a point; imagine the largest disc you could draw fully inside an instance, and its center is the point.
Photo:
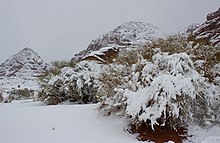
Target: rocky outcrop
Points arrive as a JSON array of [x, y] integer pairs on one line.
[[209, 32], [104, 55], [188, 30], [127, 34], [26, 63]]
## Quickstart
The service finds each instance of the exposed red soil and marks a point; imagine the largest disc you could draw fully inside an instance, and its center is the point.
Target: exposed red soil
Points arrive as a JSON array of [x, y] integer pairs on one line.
[[160, 134]]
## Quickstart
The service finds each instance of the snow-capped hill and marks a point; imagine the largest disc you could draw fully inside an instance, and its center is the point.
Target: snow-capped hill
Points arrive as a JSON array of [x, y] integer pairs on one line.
[[26, 63], [126, 34], [188, 30], [129, 33]]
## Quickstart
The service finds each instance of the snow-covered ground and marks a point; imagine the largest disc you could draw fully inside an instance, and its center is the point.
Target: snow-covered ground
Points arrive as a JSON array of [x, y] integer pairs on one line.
[[29, 122], [7, 84]]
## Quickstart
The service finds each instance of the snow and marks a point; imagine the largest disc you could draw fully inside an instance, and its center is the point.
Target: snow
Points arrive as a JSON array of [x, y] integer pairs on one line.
[[20, 71], [129, 33], [28, 121], [26, 63], [188, 30], [101, 52], [204, 135], [9, 83], [165, 87]]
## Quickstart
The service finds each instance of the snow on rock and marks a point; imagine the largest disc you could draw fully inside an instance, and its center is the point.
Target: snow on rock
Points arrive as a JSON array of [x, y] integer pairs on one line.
[[20, 71], [209, 32], [26, 63], [127, 34], [104, 54], [188, 30]]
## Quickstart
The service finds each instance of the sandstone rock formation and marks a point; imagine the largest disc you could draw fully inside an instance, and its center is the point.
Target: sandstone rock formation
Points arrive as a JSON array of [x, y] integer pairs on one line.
[[209, 32]]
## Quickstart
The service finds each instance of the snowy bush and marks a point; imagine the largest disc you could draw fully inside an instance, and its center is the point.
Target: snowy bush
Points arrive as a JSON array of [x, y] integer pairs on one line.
[[167, 91], [20, 94], [171, 44], [1, 97], [78, 84]]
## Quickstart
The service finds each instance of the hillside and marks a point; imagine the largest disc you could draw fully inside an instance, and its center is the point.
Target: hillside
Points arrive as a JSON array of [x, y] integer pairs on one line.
[[19, 73], [127, 34], [26, 63]]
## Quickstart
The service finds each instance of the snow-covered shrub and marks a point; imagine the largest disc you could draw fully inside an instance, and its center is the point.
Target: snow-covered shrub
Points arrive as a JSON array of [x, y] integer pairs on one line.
[[167, 91], [78, 84], [171, 44], [1, 97], [55, 69], [113, 77], [20, 94]]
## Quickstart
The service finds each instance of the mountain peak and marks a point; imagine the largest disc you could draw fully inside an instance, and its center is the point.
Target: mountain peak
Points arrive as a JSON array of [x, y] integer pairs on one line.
[[126, 34], [27, 49], [25, 63]]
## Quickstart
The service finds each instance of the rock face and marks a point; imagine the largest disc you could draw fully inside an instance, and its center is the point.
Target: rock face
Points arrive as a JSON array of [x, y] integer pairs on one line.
[[105, 54], [26, 63], [127, 34], [209, 32], [188, 30]]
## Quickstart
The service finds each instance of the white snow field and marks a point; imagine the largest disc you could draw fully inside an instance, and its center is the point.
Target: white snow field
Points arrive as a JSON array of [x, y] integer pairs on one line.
[[29, 122]]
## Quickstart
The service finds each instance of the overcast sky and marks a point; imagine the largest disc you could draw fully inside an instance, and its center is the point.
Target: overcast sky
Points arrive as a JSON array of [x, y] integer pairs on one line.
[[58, 29]]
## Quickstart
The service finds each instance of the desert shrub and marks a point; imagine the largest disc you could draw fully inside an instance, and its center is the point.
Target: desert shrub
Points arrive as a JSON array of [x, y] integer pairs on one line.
[[20, 94], [77, 85], [113, 77], [55, 69], [171, 44], [206, 59], [167, 91], [127, 57], [1, 97]]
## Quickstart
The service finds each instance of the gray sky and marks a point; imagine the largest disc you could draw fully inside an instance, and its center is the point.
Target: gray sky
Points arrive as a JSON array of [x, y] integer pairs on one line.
[[58, 29]]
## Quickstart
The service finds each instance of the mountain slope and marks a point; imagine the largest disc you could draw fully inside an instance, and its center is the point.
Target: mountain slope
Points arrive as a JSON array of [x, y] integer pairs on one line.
[[18, 74], [26, 63], [127, 34], [209, 32]]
